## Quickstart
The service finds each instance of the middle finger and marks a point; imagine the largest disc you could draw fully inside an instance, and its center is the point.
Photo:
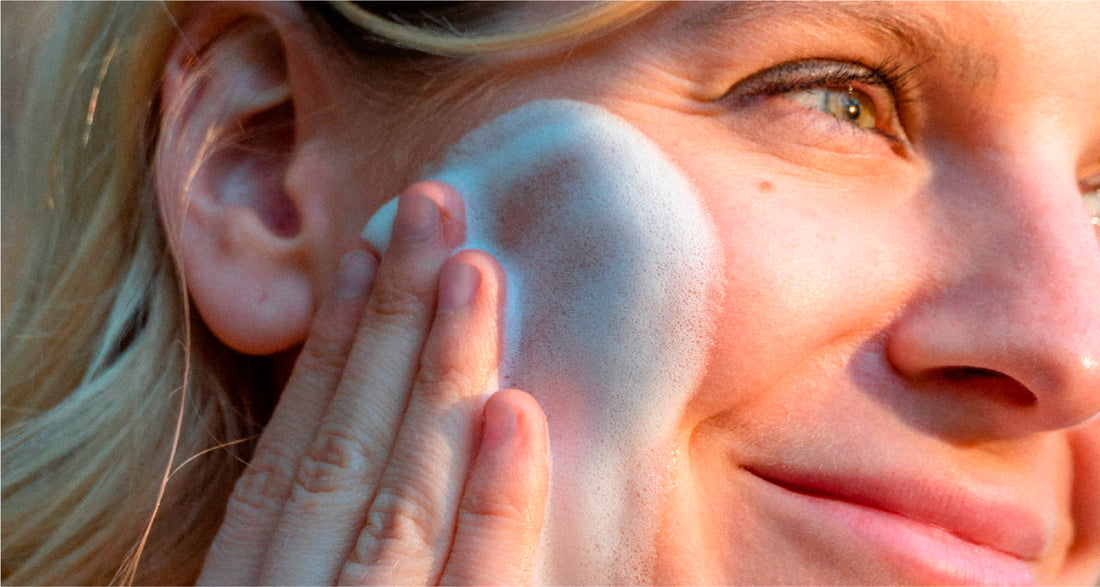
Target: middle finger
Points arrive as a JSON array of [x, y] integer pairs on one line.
[[338, 475]]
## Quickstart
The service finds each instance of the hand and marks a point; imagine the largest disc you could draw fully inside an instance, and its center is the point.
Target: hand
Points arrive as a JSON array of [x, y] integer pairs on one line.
[[380, 464]]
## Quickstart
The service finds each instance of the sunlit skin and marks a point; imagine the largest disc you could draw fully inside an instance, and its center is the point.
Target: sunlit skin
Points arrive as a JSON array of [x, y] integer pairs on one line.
[[913, 300], [910, 314]]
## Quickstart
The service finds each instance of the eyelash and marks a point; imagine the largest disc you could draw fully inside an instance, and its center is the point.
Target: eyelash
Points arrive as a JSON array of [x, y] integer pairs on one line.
[[888, 78]]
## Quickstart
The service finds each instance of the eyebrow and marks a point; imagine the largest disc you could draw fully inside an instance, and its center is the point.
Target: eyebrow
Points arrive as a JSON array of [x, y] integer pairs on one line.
[[913, 30]]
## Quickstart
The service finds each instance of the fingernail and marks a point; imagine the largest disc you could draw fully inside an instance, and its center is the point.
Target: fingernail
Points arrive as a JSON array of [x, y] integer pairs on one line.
[[457, 284], [354, 274], [417, 217], [501, 422]]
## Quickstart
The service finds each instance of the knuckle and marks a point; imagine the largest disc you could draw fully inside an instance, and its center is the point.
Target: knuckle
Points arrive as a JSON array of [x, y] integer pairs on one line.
[[446, 382], [394, 307], [262, 489], [396, 528], [324, 355], [338, 459], [497, 510], [355, 573]]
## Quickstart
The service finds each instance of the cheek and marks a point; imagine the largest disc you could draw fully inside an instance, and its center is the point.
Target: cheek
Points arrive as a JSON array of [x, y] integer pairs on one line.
[[610, 261], [811, 270], [612, 270], [1083, 527]]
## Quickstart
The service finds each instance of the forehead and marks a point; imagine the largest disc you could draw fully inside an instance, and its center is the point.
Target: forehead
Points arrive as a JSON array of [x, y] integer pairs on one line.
[[918, 24], [1029, 57]]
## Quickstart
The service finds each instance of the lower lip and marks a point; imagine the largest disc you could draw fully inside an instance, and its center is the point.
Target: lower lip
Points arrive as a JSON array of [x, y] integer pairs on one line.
[[918, 550]]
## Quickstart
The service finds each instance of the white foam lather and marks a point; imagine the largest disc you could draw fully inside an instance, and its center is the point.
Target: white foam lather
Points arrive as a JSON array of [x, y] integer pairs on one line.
[[613, 269]]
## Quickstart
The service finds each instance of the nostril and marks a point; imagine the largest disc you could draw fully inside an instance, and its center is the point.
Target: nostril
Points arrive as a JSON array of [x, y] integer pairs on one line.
[[988, 382], [964, 373]]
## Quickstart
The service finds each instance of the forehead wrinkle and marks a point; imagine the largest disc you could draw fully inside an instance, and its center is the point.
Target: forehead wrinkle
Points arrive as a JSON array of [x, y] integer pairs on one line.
[[910, 28]]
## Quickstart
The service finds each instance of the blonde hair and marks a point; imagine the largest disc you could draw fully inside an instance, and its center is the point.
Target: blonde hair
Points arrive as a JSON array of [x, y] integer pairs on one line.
[[116, 404]]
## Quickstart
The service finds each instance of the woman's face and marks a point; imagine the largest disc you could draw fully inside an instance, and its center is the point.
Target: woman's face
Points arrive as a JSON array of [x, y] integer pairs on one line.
[[906, 362]]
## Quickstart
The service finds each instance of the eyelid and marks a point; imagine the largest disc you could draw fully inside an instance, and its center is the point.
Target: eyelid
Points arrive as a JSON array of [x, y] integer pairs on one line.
[[1091, 182], [806, 75], [885, 85]]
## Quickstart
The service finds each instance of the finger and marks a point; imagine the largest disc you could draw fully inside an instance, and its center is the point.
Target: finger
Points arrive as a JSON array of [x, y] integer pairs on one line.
[[256, 504], [338, 474], [501, 515], [411, 520]]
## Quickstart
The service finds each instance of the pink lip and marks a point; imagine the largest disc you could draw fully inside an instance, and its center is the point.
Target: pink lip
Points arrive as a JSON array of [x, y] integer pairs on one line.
[[956, 533]]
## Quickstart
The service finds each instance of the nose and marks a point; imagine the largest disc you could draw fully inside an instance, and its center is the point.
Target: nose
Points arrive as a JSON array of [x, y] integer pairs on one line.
[[1004, 337]]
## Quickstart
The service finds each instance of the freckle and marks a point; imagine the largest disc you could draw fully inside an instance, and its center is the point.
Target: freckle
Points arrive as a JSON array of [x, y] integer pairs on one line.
[[766, 186]]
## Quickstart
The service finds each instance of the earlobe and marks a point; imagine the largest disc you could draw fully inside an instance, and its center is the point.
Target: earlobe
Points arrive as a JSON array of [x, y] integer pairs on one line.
[[227, 135]]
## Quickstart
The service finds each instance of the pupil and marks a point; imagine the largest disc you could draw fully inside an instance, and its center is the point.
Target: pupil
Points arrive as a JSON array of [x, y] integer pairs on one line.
[[851, 106]]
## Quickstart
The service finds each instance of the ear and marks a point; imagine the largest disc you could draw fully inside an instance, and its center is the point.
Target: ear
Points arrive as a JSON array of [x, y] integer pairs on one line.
[[247, 243]]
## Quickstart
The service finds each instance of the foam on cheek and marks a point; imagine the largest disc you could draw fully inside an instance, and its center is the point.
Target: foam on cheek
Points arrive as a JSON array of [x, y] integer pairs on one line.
[[612, 268]]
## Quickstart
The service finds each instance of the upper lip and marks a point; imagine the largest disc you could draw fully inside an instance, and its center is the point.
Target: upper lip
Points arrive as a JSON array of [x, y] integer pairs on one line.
[[976, 513]]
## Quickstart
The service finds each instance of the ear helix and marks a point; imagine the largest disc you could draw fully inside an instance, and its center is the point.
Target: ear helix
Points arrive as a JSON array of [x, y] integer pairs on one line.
[[247, 67], [238, 116], [226, 144]]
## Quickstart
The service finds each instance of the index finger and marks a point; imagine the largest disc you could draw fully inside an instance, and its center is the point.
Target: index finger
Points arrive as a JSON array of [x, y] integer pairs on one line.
[[256, 505]]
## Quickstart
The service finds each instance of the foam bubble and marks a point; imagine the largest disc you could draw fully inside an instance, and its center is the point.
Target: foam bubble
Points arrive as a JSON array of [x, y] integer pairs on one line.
[[612, 266]]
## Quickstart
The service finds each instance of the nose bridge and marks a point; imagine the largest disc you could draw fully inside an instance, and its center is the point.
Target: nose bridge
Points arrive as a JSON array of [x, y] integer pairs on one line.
[[1040, 282], [1040, 227]]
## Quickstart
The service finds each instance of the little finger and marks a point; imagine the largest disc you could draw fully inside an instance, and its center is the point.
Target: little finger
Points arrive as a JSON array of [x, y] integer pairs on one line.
[[256, 504], [501, 515]]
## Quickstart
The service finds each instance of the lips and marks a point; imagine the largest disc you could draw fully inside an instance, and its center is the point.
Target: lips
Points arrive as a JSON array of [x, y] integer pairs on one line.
[[973, 513]]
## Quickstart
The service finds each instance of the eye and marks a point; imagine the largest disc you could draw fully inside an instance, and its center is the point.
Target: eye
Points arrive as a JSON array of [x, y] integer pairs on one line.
[[1092, 201], [860, 97], [849, 105]]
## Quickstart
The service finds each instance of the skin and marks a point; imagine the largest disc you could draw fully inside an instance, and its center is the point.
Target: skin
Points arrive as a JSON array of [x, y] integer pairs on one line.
[[919, 310]]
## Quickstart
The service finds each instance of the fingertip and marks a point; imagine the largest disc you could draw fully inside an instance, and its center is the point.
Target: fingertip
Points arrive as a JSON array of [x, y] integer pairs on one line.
[[493, 281], [419, 217], [354, 273], [484, 261], [503, 506], [519, 420], [522, 402], [458, 282], [451, 206], [501, 422]]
